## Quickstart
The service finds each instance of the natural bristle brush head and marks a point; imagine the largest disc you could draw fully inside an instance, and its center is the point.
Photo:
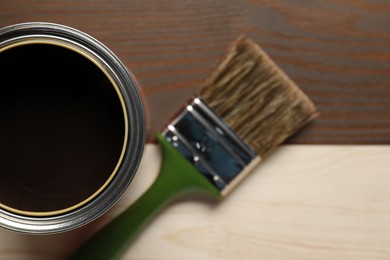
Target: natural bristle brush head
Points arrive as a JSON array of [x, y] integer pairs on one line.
[[244, 110], [256, 98]]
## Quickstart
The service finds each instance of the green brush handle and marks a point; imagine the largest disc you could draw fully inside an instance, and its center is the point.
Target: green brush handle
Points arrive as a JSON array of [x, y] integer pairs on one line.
[[176, 176]]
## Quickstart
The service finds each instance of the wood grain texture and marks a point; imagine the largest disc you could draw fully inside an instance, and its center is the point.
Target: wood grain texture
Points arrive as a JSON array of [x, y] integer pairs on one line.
[[305, 202], [338, 52]]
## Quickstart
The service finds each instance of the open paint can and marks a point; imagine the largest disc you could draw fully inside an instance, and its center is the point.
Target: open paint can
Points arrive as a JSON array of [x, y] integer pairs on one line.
[[72, 128]]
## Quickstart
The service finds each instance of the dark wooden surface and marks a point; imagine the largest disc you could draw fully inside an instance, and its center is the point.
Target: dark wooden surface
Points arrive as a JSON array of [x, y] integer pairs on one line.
[[337, 51]]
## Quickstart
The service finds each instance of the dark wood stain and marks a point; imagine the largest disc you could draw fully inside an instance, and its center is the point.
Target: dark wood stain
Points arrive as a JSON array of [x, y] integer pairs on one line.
[[62, 128]]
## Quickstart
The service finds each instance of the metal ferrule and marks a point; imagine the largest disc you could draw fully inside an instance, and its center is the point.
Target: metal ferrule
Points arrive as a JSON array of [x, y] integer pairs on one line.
[[206, 141]]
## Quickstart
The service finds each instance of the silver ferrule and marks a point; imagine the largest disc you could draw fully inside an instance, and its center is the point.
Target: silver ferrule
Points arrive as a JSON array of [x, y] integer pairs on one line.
[[206, 141]]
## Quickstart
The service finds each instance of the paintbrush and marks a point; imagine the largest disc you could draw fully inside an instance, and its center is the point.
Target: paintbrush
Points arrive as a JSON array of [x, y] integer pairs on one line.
[[246, 108]]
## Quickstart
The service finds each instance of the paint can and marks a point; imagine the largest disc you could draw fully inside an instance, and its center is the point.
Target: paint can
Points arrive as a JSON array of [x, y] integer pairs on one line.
[[72, 128]]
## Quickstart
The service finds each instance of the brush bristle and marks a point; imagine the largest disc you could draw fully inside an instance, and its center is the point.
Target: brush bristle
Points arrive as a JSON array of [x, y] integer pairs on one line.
[[255, 98]]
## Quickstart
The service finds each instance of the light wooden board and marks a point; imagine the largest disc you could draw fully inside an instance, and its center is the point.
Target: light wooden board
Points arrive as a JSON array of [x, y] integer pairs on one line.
[[304, 202]]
